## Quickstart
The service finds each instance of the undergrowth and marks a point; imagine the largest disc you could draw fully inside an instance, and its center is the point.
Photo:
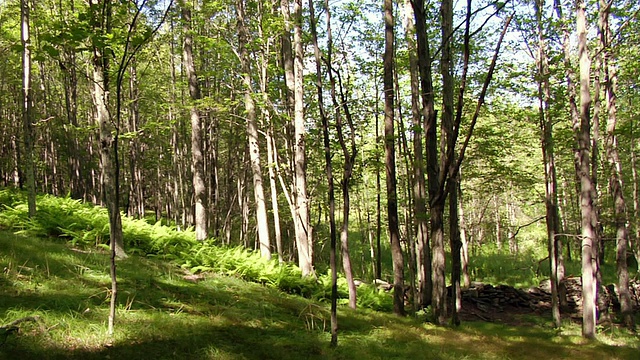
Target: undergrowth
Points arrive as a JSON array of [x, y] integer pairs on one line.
[[84, 225], [162, 313]]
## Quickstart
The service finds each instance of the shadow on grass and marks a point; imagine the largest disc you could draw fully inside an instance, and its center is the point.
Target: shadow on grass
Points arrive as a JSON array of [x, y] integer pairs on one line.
[[163, 316]]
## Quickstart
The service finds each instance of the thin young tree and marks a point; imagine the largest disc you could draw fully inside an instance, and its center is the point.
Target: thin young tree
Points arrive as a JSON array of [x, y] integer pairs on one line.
[[551, 199], [349, 153], [27, 109], [330, 181]]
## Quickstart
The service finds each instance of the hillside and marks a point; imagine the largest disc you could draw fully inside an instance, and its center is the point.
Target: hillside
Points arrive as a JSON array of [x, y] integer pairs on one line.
[[165, 314]]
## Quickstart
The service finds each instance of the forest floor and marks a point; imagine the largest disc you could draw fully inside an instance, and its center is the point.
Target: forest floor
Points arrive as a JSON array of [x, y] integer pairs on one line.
[[61, 295]]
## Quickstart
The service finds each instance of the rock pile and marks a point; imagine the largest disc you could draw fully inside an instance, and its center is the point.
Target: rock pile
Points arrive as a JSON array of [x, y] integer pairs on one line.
[[490, 303]]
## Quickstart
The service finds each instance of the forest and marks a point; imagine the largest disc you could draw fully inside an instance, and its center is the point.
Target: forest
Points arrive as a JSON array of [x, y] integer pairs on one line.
[[422, 158]]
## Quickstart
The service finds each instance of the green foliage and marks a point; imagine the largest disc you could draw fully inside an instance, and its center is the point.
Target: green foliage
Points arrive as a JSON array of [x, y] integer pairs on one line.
[[369, 296], [162, 315], [85, 225]]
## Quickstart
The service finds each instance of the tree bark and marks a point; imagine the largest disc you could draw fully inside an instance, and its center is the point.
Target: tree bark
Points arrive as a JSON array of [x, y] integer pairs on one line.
[[330, 181], [551, 199], [429, 129], [197, 158], [392, 202], [252, 134], [423, 253], [587, 203], [27, 109], [615, 180], [302, 230]]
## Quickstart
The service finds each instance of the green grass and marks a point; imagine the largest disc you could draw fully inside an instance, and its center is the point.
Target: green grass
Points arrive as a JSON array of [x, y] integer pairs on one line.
[[161, 315]]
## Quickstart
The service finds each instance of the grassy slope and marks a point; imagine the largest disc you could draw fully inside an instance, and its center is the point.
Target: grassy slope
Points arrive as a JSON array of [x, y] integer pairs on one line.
[[164, 316]]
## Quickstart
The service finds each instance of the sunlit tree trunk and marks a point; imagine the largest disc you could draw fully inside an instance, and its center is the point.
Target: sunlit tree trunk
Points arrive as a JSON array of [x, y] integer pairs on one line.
[[197, 157], [303, 231], [587, 203], [27, 110], [615, 180], [252, 134], [268, 121], [464, 251], [101, 22], [551, 200]]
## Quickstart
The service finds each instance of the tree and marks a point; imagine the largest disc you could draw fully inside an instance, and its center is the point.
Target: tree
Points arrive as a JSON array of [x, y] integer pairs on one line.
[[390, 162], [423, 253], [302, 229], [252, 132], [582, 130], [27, 111], [330, 181], [615, 178], [551, 199], [197, 158]]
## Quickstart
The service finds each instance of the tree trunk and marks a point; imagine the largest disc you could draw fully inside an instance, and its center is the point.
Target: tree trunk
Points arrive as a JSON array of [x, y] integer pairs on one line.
[[303, 231], [252, 134], [423, 252], [330, 182], [349, 154], [551, 199], [392, 202], [109, 175], [429, 128], [27, 110], [197, 158], [464, 251], [456, 246], [136, 195], [615, 180], [587, 203]]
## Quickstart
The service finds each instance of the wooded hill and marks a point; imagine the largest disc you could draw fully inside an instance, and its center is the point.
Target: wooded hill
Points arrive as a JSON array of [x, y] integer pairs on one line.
[[398, 139]]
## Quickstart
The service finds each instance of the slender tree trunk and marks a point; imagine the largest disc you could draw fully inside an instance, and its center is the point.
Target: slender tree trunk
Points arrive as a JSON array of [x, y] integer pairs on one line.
[[636, 197], [587, 203], [101, 21], [330, 182], [136, 195], [303, 231], [378, 274], [429, 129], [423, 253], [551, 200], [274, 195], [27, 110], [392, 202], [349, 155], [615, 181], [287, 55], [439, 284], [252, 134], [197, 158], [464, 252]]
